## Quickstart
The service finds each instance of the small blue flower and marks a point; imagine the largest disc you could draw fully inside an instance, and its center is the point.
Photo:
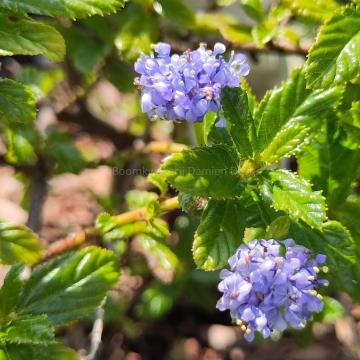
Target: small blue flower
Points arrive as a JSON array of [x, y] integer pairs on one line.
[[186, 86], [271, 285]]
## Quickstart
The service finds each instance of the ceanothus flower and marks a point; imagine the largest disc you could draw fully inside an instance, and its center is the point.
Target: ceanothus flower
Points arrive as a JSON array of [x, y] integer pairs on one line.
[[186, 86], [272, 285]]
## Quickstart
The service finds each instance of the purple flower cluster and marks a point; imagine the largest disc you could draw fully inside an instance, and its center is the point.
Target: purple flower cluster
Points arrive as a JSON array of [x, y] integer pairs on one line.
[[187, 86], [271, 286]]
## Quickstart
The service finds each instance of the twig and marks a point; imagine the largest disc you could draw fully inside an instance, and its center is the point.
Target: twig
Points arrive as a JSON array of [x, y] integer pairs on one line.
[[96, 333], [38, 194]]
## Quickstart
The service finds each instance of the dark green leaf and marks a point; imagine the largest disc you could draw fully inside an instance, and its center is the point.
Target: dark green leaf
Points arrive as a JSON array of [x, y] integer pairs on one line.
[[28, 330], [69, 287], [292, 102], [335, 56], [293, 195], [204, 171], [219, 234], [38, 352], [239, 120], [18, 244], [20, 36]]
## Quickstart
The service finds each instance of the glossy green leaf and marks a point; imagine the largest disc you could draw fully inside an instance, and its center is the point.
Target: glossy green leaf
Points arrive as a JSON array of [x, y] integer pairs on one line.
[[17, 103], [240, 122], [293, 195], [287, 142], [329, 165], [38, 352], [204, 171], [334, 58], [292, 102], [63, 8], [178, 12], [20, 36], [69, 287], [28, 330], [220, 232], [18, 244]]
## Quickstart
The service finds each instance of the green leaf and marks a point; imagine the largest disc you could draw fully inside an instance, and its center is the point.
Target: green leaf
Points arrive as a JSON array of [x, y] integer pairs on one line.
[[40, 81], [162, 261], [178, 12], [332, 311], [63, 8], [158, 179], [294, 196], [335, 241], [204, 171], [136, 35], [17, 103], [236, 33], [219, 234], [253, 9], [69, 287], [278, 229], [137, 198], [330, 166], [38, 352], [287, 142], [19, 36], [264, 32], [67, 157], [85, 51], [334, 58], [239, 120], [208, 123], [21, 140], [318, 10], [292, 102], [18, 244], [28, 330]]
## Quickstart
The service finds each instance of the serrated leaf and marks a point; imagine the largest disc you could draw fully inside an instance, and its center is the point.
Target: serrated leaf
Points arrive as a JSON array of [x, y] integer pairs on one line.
[[287, 142], [17, 103], [294, 196], [329, 165], [63, 8], [162, 261], [178, 12], [220, 232], [18, 244], [38, 352], [19, 36], [28, 330], [335, 241], [334, 58], [69, 287], [204, 171], [158, 179], [240, 122], [292, 102]]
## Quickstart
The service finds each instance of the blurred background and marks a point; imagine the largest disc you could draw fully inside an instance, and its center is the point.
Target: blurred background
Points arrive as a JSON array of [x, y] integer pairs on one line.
[[88, 155]]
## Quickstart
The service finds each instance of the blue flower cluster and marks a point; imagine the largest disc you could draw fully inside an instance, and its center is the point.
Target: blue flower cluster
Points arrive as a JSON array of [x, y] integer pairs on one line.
[[187, 86], [272, 285]]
